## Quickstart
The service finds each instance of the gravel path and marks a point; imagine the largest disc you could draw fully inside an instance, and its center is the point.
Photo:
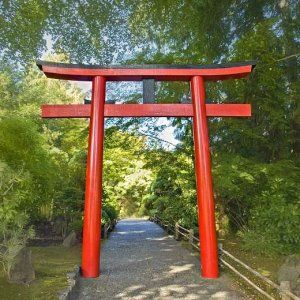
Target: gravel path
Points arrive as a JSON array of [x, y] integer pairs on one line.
[[139, 261]]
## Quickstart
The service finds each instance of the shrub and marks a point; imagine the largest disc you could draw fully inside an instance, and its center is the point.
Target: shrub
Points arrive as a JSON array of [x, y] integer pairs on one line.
[[14, 234], [274, 219]]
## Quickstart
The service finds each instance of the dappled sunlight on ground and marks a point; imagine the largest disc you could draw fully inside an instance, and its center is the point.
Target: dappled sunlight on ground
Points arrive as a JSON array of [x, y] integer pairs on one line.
[[130, 232], [178, 269], [139, 261]]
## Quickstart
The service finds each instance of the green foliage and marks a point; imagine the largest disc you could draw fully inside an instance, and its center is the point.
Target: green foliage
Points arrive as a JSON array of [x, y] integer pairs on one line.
[[24, 23], [22, 148], [255, 181], [126, 179], [28, 27], [50, 157], [255, 178], [110, 212], [22, 145], [51, 264], [35, 153], [275, 215], [14, 230], [14, 235], [173, 189]]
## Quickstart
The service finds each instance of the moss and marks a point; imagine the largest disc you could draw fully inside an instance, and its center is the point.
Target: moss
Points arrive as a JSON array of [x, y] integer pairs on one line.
[[51, 265], [267, 266]]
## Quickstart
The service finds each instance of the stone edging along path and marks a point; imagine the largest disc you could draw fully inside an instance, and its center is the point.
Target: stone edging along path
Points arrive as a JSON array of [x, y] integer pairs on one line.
[[72, 278]]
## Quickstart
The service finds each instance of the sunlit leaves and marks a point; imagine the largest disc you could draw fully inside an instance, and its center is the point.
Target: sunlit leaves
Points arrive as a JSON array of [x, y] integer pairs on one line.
[[23, 24]]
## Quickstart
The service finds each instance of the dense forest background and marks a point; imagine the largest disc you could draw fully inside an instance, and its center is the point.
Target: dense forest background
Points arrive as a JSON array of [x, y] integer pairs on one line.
[[255, 160]]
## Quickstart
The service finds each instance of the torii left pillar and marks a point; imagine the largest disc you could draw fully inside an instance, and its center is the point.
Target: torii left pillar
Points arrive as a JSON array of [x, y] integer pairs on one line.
[[93, 192]]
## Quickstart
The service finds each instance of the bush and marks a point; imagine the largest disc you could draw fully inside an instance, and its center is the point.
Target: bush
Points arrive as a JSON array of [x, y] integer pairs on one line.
[[274, 220], [109, 213], [14, 230], [14, 234], [76, 224]]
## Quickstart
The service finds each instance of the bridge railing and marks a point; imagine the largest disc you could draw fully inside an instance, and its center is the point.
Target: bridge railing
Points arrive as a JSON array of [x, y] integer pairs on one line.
[[282, 290]]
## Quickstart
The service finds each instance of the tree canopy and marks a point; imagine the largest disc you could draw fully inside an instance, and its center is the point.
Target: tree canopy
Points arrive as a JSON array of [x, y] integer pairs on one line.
[[255, 161]]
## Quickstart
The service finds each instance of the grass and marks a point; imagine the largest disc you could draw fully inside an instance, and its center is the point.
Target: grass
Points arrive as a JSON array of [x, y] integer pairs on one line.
[[267, 266], [51, 265], [53, 262]]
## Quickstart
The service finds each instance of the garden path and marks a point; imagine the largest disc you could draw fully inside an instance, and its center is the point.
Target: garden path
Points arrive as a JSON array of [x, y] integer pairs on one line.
[[139, 261]]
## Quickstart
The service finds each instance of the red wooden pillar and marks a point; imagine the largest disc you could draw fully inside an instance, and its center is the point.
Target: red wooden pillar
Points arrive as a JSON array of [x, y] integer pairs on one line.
[[205, 198], [93, 191]]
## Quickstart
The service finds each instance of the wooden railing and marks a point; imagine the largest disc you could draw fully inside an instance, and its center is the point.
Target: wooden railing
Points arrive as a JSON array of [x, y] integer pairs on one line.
[[108, 227], [282, 290]]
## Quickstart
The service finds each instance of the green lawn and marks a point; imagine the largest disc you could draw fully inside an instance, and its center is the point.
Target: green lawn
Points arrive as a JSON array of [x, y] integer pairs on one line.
[[267, 266], [51, 265]]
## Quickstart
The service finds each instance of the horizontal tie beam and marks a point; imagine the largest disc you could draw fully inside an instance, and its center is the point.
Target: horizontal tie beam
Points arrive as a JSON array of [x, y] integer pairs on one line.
[[145, 110]]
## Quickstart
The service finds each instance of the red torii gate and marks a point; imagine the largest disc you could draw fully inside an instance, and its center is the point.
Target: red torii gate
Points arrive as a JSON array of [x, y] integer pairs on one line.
[[98, 110]]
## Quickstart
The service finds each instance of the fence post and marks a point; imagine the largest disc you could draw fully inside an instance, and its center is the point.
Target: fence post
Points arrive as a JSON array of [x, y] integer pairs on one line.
[[168, 227], [220, 246], [191, 236], [285, 286], [176, 235], [220, 253], [105, 231]]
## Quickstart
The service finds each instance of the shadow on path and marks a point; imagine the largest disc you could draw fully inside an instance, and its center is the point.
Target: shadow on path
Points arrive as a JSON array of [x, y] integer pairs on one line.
[[139, 261]]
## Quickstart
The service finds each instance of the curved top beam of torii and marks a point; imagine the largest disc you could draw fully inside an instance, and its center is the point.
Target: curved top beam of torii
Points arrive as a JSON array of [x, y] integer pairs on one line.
[[159, 72]]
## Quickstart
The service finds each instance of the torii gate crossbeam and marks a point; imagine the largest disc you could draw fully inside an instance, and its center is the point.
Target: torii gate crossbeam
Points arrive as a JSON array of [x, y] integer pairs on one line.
[[98, 110]]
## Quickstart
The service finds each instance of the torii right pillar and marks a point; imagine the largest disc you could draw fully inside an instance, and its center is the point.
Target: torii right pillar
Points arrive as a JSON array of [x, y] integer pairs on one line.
[[205, 196]]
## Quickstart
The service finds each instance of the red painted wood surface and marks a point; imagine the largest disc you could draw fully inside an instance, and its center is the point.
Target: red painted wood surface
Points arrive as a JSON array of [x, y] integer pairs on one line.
[[86, 74], [205, 197], [98, 110], [93, 191], [145, 110]]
